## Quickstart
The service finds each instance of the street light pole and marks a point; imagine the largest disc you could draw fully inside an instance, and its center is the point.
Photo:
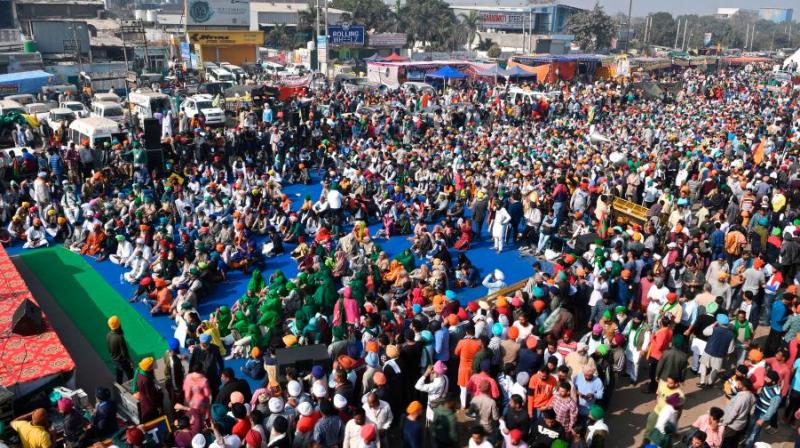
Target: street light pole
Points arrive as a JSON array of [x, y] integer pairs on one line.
[[127, 70]]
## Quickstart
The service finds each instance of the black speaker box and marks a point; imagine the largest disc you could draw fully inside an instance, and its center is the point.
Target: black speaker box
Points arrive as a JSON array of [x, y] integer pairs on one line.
[[27, 319], [152, 133]]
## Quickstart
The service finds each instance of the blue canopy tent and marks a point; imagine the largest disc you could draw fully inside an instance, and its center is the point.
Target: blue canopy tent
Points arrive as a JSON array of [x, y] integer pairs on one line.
[[446, 73]]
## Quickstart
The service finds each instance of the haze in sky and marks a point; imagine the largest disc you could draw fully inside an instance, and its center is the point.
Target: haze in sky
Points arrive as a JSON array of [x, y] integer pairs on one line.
[[701, 7]]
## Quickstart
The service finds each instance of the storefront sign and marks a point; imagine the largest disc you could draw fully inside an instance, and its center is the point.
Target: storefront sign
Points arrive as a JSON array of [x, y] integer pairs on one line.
[[226, 37], [346, 35], [218, 13], [502, 20], [387, 40]]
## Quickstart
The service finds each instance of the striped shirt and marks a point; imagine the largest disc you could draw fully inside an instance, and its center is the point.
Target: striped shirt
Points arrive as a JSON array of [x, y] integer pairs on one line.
[[768, 400]]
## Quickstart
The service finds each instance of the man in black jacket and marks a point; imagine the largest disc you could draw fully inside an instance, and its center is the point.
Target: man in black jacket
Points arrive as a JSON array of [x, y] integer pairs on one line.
[[547, 430], [231, 384], [207, 360], [118, 349]]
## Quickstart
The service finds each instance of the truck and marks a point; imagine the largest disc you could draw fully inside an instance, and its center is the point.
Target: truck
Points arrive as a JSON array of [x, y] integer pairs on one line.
[[103, 82], [24, 82], [144, 103]]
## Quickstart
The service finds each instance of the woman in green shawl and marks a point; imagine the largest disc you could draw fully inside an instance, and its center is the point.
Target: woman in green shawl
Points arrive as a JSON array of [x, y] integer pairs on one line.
[[326, 294], [303, 315], [278, 281], [406, 258], [257, 281], [240, 322], [358, 287], [223, 316]]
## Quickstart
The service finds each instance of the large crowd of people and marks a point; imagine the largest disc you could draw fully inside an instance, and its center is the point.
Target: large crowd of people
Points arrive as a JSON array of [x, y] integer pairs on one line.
[[681, 291]]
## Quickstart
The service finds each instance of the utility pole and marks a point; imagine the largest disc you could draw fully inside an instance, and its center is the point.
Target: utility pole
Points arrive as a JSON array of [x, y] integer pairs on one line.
[[629, 29], [77, 46], [122, 31], [677, 33], [752, 37]]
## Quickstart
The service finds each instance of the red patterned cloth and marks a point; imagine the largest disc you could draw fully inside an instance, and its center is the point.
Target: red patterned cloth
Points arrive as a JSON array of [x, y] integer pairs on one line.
[[25, 358]]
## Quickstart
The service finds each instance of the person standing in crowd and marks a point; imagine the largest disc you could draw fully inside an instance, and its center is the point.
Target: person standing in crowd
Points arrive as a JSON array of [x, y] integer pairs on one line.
[[118, 349]]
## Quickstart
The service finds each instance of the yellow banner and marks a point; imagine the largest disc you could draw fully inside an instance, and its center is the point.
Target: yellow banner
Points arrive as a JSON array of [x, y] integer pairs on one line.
[[226, 37]]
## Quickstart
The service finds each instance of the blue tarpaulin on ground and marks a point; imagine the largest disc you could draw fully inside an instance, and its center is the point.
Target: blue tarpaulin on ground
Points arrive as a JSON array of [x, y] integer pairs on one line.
[[24, 82]]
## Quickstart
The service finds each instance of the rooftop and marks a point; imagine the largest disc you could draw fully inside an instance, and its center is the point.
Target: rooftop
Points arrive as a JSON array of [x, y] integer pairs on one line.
[[285, 7]]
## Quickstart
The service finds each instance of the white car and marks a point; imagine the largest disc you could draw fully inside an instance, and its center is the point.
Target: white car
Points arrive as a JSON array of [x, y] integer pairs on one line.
[[203, 103], [76, 106], [58, 115], [39, 110], [296, 69]]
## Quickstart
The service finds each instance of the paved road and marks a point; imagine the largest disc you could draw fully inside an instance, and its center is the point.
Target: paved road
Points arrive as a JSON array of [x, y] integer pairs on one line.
[[629, 409]]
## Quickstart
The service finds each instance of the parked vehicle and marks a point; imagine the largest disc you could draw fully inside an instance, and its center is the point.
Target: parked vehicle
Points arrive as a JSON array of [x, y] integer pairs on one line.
[[60, 115], [95, 131], [108, 109], [76, 106], [24, 99], [38, 110], [203, 104]]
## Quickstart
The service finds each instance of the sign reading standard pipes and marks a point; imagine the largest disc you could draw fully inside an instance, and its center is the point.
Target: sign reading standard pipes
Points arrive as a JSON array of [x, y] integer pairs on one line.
[[346, 35]]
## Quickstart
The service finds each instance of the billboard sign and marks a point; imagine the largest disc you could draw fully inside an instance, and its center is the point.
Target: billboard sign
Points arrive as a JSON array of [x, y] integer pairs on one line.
[[185, 51], [226, 37], [218, 13], [346, 35], [502, 20], [387, 40]]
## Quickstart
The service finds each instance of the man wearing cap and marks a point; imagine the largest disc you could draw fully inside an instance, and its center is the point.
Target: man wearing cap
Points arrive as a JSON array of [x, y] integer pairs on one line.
[[207, 360], [721, 342], [33, 432], [118, 349], [637, 336], [597, 431]]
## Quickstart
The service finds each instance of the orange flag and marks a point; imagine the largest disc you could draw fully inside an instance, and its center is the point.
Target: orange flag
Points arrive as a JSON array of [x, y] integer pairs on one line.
[[758, 154]]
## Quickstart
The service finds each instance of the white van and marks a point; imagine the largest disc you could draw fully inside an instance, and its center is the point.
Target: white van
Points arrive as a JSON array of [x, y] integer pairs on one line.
[[60, 115], [110, 97], [96, 131], [144, 103], [203, 103], [7, 106], [237, 71], [23, 98], [221, 75], [108, 109], [273, 68]]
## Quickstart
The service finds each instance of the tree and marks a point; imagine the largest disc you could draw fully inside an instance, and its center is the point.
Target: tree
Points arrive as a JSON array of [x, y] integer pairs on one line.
[[662, 29], [470, 22], [430, 22], [279, 38], [373, 14], [593, 29], [494, 51]]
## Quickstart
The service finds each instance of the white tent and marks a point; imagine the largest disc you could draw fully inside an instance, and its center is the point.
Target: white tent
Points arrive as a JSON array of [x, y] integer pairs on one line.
[[793, 58]]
